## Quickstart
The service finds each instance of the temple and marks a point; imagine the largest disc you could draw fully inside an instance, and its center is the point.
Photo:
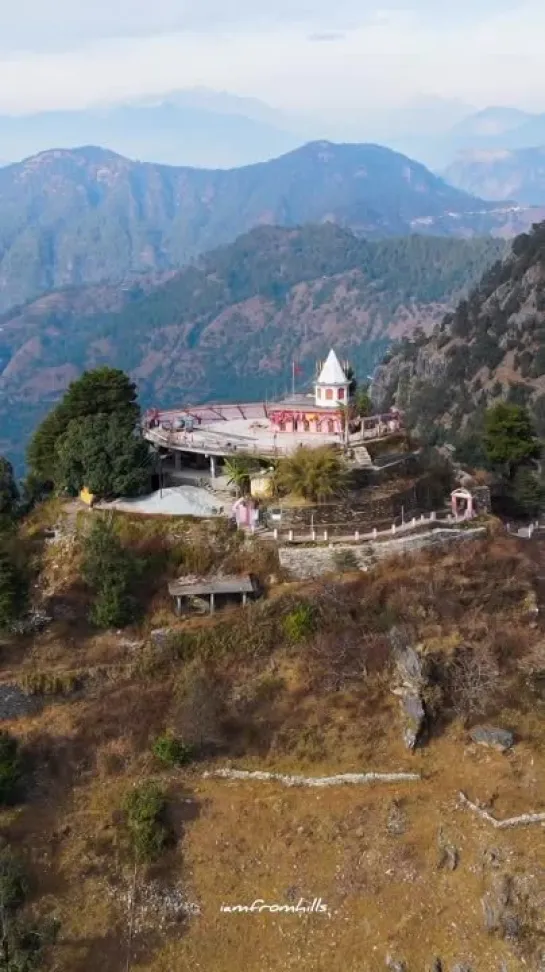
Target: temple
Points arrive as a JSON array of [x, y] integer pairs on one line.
[[324, 414], [215, 432]]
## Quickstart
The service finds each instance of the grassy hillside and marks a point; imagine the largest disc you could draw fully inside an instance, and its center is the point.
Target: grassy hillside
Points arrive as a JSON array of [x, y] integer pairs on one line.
[[298, 683], [230, 326]]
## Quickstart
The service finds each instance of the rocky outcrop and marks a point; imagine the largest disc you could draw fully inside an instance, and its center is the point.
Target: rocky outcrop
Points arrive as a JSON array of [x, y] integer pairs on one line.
[[411, 680]]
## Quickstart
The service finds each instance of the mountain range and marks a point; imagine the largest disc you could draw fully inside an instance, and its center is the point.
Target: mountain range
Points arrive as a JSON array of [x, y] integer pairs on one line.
[[491, 129], [500, 127], [195, 127], [230, 325], [491, 348], [501, 174], [70, 217]]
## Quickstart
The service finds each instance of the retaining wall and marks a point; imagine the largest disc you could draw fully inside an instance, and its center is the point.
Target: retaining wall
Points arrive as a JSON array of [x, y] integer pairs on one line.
[[365, 511], [307, 563]]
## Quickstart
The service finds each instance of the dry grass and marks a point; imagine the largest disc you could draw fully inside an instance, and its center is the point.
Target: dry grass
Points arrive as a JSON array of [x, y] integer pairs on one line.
[[322, 705]]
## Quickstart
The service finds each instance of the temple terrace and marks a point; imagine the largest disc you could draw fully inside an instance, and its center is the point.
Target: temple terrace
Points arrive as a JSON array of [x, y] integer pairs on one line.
[[267, 429]]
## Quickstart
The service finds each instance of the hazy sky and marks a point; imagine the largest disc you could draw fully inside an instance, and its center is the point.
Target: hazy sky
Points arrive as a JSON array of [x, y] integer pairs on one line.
[[340, 57]]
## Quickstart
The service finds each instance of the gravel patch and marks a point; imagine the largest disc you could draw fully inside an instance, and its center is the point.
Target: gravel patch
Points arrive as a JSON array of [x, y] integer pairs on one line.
[[14, 703]]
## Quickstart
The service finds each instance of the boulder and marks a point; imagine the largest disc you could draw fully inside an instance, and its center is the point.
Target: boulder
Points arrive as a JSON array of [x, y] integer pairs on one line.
[[415, 719], [500, 739], [160, 636]]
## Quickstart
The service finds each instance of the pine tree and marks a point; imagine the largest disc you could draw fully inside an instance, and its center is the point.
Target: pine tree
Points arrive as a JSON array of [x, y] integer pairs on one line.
[[108, 570]]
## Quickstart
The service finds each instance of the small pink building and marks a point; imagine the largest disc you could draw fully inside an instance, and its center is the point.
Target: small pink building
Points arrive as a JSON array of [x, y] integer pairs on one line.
[[245, 512]]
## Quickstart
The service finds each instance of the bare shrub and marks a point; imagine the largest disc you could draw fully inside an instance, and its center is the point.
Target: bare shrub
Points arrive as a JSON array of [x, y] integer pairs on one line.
[[345, 561], [334, 659], [113, 758], [473, 680], [199, 707]]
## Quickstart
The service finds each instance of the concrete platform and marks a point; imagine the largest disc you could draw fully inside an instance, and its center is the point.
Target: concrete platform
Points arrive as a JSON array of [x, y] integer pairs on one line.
[[174, 501]]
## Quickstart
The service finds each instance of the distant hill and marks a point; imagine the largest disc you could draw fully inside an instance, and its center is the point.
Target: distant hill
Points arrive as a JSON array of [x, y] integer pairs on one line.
[[498, 128], [230, 326], [493, 122], [88, 215], [194, 127], [501, 174], [491, 348]]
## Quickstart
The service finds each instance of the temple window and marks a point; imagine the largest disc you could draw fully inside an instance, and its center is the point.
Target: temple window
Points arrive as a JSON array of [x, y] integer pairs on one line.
[[341, 394], [282, 426], [329, 394], [330, 427], [306, 426]]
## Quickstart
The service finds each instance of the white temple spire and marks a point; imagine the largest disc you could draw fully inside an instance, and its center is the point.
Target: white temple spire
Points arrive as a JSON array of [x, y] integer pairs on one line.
[[332, 386], [332, 372]]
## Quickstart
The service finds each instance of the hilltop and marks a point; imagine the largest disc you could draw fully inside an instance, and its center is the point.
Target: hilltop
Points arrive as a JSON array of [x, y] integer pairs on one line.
[[87, 215], [299, 683], [491, 348], [229, 326]]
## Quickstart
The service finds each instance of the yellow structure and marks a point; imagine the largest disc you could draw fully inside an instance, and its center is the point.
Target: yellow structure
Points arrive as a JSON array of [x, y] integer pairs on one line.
[[86, 496], [261, 484]]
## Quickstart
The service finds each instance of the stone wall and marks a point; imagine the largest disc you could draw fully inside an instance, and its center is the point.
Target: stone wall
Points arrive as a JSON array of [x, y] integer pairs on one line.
[[307, 563], [365, 509]]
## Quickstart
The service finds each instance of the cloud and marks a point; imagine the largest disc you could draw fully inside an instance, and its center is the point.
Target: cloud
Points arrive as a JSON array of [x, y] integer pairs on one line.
[[66, 55], [327, 36], [38, 26]]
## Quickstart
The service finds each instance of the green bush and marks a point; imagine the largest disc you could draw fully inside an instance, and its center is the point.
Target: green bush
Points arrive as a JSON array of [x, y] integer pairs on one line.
[[10, 769], [13, 882], [13, 588], [299, 623], [171, 751], [145, 808], [22, 942], [108, 570]]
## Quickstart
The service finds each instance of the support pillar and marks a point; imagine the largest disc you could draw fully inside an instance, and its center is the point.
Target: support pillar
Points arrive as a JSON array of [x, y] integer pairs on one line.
[[212, 603], [212, 467], [178, 605], [177, 460], [244, 599]]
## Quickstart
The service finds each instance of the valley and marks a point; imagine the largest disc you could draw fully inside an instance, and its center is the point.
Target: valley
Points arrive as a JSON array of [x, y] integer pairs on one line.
[[234, 320]]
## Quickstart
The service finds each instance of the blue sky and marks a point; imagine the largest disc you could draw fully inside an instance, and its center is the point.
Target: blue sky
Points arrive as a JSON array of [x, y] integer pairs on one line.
[[345, 58]]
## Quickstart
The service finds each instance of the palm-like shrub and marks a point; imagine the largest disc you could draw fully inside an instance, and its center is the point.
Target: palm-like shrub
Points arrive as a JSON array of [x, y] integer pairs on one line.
[[312, 474]]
